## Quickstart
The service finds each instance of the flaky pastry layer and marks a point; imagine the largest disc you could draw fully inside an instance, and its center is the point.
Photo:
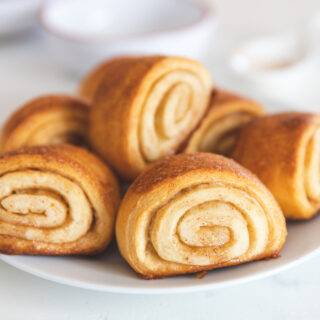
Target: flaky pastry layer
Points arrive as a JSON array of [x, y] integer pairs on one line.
[[56, 200], [283, 150], [194, 212]]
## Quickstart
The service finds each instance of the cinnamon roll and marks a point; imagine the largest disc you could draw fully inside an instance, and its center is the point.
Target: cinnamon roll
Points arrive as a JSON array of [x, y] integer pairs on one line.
[[283, 150], [46, 120], [218, 130], [145, 108], [56, 200], [195, 212]]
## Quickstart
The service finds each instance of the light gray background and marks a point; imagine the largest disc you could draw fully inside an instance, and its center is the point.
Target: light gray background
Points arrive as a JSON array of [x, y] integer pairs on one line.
[[27, 70]]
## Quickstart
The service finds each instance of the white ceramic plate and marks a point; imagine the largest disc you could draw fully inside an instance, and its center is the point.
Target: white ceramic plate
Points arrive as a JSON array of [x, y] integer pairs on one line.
[[110, 273]]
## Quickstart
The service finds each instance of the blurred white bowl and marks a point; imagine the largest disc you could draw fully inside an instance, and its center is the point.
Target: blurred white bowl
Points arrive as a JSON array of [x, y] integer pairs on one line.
[[285, 67], [17, 16], [82, 33], [267, 54]]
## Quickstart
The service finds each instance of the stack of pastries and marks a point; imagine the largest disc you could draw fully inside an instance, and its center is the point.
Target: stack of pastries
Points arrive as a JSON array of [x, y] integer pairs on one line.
[[212, 176]]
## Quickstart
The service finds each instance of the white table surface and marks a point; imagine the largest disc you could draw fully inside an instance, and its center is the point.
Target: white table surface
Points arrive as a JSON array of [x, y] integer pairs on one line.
[[27, 69]]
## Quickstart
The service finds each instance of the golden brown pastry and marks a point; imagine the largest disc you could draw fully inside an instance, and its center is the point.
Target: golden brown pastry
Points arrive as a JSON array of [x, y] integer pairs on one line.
[[145, 108], [56, 200], [46, 120], [194, 212], [89, 86], [283, 150], [218, 130]]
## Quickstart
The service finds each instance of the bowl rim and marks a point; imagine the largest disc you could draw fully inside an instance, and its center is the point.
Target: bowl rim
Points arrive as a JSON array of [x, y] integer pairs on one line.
[[207, 14], [11, 1]]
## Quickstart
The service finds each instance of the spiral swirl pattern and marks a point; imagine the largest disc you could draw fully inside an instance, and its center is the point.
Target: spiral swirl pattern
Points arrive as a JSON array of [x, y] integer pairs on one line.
[[218, 131], [312, 167], [50, 204], [284, 151], [47, 120], [208, 213], [169, 111], [164, 100]]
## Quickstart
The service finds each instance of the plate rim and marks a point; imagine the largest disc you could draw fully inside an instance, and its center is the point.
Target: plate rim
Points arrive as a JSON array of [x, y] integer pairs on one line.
[[156, 290]]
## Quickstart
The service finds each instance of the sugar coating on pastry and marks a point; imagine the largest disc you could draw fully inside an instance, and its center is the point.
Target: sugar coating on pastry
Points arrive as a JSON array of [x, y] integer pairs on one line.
[[46, 120], [218, 130], [91, 82], [145, 108], [56, 200], [194, 212], [283, 150]]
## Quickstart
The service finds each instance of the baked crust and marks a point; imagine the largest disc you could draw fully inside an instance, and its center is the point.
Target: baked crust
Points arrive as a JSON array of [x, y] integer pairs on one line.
[[91, 82], [56, 200], [181, 216], [283, 150], [145, 108], [217, 132], [46, 120]]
